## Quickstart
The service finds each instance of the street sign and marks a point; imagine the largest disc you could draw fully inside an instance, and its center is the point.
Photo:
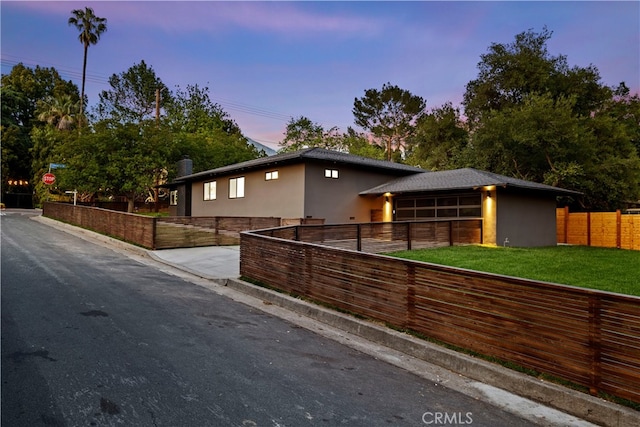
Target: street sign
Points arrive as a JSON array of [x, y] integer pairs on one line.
[[48, 178]]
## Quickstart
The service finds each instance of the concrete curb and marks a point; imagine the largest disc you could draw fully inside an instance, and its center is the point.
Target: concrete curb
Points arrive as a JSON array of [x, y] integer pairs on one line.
[[581, 405]]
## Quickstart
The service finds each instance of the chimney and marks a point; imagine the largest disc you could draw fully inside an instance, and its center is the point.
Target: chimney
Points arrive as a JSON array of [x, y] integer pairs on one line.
[[185, 167]]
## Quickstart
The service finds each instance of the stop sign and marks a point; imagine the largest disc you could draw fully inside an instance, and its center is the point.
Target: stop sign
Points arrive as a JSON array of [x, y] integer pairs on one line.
[[48, 178]]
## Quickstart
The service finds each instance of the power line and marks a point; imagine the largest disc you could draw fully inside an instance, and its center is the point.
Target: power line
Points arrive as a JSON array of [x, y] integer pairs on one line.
[[12, 60]]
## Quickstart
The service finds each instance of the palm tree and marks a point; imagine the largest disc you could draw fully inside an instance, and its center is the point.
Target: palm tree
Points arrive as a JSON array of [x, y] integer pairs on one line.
[[91, 28], [60, 112]]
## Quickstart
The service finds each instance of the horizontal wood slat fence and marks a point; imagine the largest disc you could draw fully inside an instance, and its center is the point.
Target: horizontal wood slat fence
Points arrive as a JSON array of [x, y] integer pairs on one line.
[[158, 233], [590, 338], [185, 232], [603, 229], [379, 237], [132, 228]]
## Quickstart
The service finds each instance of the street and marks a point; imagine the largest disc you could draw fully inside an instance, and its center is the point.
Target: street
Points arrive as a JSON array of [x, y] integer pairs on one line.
[[91, 337]]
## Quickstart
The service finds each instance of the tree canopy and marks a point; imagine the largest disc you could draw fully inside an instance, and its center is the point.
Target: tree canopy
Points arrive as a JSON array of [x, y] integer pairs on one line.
[[25, 92], [132, 96], [390, 114], [531, 116]]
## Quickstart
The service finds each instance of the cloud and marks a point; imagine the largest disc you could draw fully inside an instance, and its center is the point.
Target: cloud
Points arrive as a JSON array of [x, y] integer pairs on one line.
[[286, 18]]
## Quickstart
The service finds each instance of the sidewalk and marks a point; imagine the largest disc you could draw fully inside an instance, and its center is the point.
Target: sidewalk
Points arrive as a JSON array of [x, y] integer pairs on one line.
[[531, 398], [212, 262]]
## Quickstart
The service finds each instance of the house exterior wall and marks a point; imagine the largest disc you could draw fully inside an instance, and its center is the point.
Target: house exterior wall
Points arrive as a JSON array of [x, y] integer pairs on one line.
[[337, 200], [525, 220], [282, 197]]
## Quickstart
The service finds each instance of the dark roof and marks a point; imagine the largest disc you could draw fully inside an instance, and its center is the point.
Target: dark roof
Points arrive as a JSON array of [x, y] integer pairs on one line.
[[458, 179], [316, 154]]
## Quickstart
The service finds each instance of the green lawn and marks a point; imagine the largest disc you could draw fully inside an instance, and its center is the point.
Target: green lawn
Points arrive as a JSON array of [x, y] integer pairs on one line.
[[613, 270]]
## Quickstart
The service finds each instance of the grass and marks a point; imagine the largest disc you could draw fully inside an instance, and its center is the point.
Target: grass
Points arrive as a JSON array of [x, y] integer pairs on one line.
[[613, 270], [153, 214]]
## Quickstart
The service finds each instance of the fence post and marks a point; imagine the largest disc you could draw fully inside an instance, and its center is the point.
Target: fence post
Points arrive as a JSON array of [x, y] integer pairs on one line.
[[450, 233], [566, 224], [618, 229], [408, 236], [588, 228], [595, 344], [154, 228], [359, 237]]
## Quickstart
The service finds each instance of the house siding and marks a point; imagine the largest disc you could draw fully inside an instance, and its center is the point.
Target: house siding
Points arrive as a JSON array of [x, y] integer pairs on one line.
[[282, 197], [338, 200], [525, 220]]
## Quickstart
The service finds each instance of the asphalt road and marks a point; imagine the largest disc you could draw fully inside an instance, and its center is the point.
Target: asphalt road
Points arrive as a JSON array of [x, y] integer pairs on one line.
[[91, 337]]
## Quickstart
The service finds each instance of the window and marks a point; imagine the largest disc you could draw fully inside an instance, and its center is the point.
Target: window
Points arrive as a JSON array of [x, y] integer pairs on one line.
[[173, 197], [331, 173], [236, 187], [269, 176], [210, 190], [462, 206]]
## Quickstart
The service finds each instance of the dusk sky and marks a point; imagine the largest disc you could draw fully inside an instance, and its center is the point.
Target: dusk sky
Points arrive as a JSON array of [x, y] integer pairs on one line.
[[265, 62]]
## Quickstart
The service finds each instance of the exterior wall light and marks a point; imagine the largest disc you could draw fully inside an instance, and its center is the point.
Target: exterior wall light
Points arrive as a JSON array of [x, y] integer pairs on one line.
[[489, 194]]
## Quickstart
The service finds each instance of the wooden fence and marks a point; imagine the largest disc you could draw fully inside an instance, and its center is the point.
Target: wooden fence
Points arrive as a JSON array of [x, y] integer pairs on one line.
[[132, 228], [158, 233], [189, 232], [603, 229], [588, 337], [380, 237]]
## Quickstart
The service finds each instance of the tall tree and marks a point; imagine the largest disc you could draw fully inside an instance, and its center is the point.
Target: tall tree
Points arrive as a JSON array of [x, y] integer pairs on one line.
[[510, 72], [202, 130], [60, 112], [191, 110], [132, 97], [117, 159], [534, 117], [439, 139], [91, 28], [304, 133], [389, 114], [22, 90]]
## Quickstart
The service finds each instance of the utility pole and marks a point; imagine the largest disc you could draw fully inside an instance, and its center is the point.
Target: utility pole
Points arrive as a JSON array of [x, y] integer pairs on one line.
[[156, 194]]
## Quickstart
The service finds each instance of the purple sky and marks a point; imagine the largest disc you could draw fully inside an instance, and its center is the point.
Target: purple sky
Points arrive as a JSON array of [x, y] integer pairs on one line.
[[268, 61]]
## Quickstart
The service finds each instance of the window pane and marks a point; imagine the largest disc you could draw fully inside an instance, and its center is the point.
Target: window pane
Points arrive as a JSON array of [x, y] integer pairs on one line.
[[331, 173], [447, 213], [447, 201], [212, 190], [470, 200], [240, 187], [425, 202], [209, 190], [403, 215], [405, 203], [425, 213], [233, 188], [470, 212]]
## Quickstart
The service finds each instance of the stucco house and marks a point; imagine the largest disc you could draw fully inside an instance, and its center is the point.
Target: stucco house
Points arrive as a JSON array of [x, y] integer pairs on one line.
[[336, 187]]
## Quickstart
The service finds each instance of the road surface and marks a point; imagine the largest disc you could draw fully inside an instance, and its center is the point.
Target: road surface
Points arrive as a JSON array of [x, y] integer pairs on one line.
[[91, 337]]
